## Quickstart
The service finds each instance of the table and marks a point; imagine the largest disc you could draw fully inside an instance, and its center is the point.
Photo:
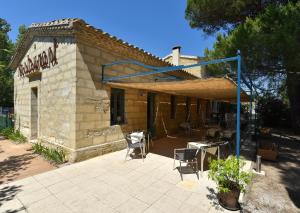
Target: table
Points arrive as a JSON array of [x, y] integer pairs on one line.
[[211, 132], [227, 134], [204, 147]]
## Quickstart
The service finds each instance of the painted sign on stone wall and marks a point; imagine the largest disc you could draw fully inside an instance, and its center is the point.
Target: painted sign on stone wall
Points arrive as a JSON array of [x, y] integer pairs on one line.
[[41, 61]]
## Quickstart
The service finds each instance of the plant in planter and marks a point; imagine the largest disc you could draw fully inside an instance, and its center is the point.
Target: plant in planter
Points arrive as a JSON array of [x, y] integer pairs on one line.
[[230, 179]]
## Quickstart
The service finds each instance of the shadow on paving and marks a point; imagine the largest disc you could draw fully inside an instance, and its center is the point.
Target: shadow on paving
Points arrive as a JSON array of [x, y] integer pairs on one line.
[[8, 193], [165, 146], [10, 167], [289, 165], [213, 198], [280, 176]]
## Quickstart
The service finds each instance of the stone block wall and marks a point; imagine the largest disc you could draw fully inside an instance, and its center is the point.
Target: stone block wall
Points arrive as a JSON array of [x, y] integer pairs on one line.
[[167, 125], [56, 95], [74, 105], [94, 134], [196, 71]]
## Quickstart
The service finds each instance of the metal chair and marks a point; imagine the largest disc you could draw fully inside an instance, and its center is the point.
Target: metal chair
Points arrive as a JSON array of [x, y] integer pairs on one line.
[[225, 149], [186, 155], [131, 145]]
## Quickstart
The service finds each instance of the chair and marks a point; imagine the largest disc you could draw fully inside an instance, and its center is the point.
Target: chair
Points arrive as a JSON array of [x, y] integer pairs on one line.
[[133, 144], [186, 126], [186, 155], [148, 139], [225, 149]]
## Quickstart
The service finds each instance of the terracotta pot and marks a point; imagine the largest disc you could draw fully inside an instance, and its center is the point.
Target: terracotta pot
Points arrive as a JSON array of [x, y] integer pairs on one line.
[[230, 200]]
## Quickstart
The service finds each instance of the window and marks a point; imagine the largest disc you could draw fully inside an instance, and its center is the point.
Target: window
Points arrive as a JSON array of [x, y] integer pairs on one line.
[[188, 108], [173, 106], [117, 106], [198, 106]]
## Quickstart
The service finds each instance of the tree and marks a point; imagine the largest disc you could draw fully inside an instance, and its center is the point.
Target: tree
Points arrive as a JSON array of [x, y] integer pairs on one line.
[[273, 111], [214, 15], [270, 46], [6, 79], [22, 31]]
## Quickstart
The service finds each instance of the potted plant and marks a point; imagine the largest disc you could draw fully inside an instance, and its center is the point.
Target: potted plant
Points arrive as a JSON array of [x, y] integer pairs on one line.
[[230, 179]]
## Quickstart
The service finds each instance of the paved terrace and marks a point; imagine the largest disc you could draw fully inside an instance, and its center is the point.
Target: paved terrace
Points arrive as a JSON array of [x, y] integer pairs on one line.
[[109, 184]]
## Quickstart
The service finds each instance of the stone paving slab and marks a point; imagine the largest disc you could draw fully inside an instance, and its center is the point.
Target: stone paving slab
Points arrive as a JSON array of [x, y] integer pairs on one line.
[[109, 184]]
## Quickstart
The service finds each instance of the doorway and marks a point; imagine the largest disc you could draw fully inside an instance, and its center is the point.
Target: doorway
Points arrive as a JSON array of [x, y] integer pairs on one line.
[[151, 114], [34, 113]]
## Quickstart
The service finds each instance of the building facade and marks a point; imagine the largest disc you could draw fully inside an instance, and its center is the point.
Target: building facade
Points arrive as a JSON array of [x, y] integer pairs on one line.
[[176, 58], [60, 99]]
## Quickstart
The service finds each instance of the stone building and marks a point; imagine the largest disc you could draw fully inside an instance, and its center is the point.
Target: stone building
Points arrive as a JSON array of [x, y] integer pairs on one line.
[[176, 58], [60, 99]]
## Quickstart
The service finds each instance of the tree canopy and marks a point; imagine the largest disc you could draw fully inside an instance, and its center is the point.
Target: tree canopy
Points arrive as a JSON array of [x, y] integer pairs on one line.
[[7, 48], [6, 51], [268, 39], [22, 31], [214, 15]]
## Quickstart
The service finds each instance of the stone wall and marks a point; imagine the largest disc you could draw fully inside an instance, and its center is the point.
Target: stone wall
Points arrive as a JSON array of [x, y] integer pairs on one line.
[[166, 125], [196, 71], [56, 95], [94, 134], [74, 105]]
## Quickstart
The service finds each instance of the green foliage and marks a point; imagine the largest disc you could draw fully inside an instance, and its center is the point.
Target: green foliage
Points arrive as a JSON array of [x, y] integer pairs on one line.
[[13, 135], [268, 43], [214, 15], [55, 155], [6, 51], [270, 47], [22, 31], [6, 132], [273, 112], [38, 148], [18, 137], [228, 174]]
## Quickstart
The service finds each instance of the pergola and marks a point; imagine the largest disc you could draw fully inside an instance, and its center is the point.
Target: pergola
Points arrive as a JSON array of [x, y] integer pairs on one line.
[[224, 89]]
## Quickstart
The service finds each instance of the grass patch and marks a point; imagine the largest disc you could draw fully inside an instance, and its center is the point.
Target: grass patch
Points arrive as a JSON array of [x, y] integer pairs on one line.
[[55, 155], [13, 135]]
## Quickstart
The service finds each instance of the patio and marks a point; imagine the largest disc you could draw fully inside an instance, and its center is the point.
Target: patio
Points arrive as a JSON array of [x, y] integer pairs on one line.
[[109, 184]]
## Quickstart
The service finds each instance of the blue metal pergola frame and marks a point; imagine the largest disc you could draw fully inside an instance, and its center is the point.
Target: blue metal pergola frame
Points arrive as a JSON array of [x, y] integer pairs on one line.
[[157, 70]]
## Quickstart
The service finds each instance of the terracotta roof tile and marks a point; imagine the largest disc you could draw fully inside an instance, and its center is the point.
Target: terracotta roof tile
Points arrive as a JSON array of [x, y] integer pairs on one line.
[[68, 23]]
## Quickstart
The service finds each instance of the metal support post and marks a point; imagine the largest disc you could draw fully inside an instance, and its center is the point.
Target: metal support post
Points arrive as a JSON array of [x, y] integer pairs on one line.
[[238, 103]]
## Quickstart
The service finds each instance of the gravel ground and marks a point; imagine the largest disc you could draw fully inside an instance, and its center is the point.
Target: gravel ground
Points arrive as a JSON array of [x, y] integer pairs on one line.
[[279, 189]]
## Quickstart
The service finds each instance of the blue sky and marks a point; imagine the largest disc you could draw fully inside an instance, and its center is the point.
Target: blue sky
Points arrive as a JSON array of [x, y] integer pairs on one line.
[[154, 25]]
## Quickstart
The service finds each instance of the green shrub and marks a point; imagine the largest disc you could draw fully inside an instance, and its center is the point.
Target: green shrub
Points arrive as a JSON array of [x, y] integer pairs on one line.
[[228, 174], [38, 148], [52, 154], [7, 131], [18, 137], [13, 135]]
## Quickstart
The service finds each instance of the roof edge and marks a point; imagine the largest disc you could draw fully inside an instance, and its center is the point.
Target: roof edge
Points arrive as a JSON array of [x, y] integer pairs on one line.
[[62, 24], [68, 26]]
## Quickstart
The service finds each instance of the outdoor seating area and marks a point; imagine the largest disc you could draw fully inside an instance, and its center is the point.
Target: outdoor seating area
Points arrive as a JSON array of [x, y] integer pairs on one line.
[[192, 151], [108, 184], [150, 107]]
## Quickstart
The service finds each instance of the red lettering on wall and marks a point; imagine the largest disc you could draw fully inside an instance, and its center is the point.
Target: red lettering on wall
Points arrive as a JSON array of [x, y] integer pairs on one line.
[[41, 61]]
